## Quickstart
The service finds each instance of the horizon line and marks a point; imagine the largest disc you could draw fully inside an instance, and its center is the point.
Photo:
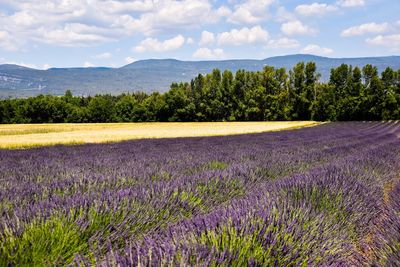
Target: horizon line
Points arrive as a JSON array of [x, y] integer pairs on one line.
[[188, 60]]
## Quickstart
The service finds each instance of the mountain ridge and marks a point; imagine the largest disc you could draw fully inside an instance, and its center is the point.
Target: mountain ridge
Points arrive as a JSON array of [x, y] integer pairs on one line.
[[153, 74]]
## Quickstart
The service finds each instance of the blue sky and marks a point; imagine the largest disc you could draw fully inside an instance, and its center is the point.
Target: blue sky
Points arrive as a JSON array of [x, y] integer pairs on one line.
[[76, 33]]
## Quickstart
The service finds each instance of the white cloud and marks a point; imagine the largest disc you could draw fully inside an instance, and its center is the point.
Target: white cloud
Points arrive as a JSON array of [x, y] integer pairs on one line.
[[190, 41], [206, 53], [296, 27], [207, 38], [315, 9], [154, 45], [224, 11], [91, 22], [75, 34], [243, 36], [250, 12], [316, 50], [129, 60], [105, 55], [23, 18], [365, 29], [7, 41], [320, 9], [392, 40], [282, 15], [283, 43], [172, 14], [59, 23], [351, 3], [131, 6], [88, 64]]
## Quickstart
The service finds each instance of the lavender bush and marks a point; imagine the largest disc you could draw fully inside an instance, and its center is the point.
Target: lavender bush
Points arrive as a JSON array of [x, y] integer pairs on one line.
[[320, 196]]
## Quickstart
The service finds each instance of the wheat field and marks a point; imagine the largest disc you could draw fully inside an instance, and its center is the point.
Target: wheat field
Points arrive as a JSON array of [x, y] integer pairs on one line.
[[14, 136]]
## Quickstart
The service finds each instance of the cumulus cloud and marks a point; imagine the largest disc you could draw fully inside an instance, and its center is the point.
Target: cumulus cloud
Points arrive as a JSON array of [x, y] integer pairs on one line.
[[385, 34], [392, 40], [243, 36], [316, 50], [7, 41], [365, 29], [74, 34], [320, 9], [250, 11], [189, 41], [88, 23], [236, 37], [224, 11], [282, 15], [283, 43], [128, 6], [207, 53], [296, 27], [315, 9], [55, 22], [154, 45], [207, 38], [172, 14], [351, 3]]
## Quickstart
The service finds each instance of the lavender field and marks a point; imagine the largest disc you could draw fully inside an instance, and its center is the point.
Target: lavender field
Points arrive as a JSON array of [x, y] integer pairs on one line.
[[321, 196]]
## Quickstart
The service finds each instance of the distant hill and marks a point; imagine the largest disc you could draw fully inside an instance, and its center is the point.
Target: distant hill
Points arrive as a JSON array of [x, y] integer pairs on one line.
[[151, 75]]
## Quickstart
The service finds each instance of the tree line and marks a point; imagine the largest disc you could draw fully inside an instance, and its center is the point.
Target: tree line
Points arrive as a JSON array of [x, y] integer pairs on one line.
[[267, 95]]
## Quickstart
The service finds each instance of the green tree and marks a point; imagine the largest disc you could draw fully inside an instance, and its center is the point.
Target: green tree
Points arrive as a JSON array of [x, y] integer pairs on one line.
[[101, 109], [178, 105], [390, 101], [324, 107], [302, 80], [125, 108], [374, 93]]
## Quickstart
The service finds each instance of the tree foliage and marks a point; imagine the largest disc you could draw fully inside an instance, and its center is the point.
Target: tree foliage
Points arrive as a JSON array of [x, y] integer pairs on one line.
[[269, 94]]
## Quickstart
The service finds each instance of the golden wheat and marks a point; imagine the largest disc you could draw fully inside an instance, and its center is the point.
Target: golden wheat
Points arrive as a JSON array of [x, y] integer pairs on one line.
[[33, 135]]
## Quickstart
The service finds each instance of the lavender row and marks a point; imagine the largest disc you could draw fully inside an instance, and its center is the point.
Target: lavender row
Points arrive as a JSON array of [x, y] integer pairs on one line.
[[272, 198], [329, 216]]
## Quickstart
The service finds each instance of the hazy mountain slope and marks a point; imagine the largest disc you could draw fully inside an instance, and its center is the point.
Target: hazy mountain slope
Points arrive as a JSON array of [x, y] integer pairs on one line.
[[151, 75]]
